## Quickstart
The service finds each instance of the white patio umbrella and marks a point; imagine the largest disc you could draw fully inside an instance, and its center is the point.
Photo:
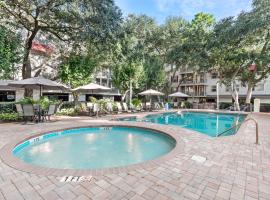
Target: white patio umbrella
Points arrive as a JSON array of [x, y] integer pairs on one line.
[[151, 93], [178, 94], [91, 87]]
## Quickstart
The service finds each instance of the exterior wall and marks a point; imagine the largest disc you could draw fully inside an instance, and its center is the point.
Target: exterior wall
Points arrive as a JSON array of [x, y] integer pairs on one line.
[[209, 82]]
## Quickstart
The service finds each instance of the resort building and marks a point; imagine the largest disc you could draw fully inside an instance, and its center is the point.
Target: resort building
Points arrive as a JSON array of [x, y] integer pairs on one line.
[[202, 87]]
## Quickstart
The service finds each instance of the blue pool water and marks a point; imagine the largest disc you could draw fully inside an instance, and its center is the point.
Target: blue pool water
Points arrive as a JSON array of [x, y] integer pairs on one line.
[[208, 123], [90, 148]]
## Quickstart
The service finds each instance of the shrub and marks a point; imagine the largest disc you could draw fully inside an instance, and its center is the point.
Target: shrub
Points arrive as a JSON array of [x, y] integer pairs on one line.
[[186, 104], [66, 105], [93, 100], [224, 105], [7, 108], [26, 100], [45, 102], [68, 111], [9, 116], [136, 102]]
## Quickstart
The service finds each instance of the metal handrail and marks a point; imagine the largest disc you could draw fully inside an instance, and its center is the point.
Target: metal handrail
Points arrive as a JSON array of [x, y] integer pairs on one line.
[[252, 119]]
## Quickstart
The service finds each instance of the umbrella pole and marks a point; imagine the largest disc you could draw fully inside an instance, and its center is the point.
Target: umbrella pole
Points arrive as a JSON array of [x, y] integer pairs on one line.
[[150, 108], [39, 110]]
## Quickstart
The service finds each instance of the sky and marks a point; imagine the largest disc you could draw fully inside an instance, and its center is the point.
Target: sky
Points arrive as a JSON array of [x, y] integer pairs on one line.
[[161, 9]]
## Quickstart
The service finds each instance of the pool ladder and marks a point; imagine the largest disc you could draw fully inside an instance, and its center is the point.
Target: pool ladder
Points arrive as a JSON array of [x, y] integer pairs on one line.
[[235, 126]]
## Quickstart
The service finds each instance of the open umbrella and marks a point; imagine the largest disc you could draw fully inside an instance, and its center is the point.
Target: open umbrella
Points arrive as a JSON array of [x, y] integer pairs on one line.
[[39, 83], [178, 94], [91, 87], [151, 93]]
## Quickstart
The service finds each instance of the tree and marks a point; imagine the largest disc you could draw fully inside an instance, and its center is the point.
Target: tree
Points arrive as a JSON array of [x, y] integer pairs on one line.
[[67, 21], [10, 52], [257, 37]]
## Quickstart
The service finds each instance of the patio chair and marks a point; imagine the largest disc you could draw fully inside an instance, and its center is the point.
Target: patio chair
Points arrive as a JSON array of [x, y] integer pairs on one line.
[[89, 107], [162, 106], [119, 107], [28, 112], [157, 106], [51, 111], [19, 109]]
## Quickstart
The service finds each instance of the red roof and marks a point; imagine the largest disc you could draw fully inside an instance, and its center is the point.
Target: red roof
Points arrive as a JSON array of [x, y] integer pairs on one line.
[[41, 48]]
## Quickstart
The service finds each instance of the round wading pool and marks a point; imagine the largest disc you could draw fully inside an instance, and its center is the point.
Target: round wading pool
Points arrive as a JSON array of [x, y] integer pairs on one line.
[[94, 148]]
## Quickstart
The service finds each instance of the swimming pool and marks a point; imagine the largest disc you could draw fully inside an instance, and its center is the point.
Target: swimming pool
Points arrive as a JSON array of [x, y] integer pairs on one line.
[[207, 123], [94, 147]]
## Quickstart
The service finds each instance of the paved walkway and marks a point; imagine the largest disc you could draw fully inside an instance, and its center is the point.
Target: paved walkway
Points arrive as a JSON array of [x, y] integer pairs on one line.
[[235, 168]]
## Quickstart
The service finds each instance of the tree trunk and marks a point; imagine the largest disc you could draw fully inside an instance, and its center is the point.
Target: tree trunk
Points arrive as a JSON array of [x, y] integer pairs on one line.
[[125, 94], [26, 67], [235, 96], [237, 106], [130, 93], [249, 93]]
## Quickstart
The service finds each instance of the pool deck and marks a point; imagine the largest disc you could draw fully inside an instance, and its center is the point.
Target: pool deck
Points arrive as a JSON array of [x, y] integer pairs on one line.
[[235, 167]]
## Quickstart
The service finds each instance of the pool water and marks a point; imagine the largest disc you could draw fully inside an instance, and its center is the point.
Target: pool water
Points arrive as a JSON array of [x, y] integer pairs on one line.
[[91, 148], [207, 123]]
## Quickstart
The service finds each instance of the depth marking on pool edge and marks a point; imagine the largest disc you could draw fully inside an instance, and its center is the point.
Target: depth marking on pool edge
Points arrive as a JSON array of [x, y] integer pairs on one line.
[[75, 179]]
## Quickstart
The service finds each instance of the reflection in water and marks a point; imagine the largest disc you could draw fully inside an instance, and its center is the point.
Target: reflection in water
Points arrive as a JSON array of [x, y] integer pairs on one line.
[[91, 137], [43, 148], [208, 123]]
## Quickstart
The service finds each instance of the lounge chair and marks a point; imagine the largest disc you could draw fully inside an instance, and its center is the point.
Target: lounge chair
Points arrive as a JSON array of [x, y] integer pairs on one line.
[[148, 106], [119, 107], [28, 112], [157, 106], [162, 106], [125, 107], [51, 111], [133, 108]]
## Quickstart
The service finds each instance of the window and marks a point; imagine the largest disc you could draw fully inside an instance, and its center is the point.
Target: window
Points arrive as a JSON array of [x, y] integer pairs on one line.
[[228, 89], [214, 75], [259, 87], [7, 96], [213, 88]]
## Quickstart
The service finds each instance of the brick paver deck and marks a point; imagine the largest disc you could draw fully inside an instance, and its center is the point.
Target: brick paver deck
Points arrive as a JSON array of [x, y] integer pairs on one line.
[[235, 168]]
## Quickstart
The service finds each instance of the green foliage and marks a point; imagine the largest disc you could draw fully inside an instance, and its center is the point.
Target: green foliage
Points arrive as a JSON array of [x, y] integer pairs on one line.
[[68, 112], [27, 100], [136, 102], [71, 23], [45, 102], [76, 70], [10, 52], [7, 107], [93, 100], [10, 116]]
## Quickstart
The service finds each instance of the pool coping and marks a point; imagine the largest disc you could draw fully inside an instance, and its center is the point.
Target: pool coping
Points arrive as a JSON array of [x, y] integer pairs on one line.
[[9, 159]]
